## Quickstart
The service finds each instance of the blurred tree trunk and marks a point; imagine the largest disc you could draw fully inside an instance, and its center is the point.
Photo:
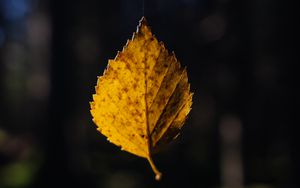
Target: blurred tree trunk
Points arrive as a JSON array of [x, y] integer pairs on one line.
[[55, 171]]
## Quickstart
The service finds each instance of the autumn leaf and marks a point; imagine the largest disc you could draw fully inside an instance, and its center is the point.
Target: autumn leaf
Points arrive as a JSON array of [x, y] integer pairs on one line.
[[143, 97]]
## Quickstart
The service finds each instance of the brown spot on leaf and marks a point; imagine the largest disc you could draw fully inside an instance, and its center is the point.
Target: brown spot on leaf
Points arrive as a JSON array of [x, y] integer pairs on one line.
[[136, 102], [128, 66], [134, 85], [125, 89]]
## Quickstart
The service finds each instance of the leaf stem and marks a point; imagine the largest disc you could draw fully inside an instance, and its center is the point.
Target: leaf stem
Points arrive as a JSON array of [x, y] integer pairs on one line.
[[158, 174]]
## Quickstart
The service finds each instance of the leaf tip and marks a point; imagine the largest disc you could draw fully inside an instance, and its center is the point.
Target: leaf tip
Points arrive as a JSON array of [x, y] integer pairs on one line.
[[142, 27], [143, 21]]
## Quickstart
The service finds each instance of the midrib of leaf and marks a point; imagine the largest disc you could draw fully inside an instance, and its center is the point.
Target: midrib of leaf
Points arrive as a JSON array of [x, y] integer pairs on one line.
[[158, 174]]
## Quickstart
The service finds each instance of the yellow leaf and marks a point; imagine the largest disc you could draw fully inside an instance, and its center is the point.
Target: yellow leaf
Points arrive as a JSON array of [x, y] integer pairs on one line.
[[143, 97]]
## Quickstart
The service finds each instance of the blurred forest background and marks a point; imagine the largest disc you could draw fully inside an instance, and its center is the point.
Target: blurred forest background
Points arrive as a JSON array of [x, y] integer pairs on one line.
[[241, 132]]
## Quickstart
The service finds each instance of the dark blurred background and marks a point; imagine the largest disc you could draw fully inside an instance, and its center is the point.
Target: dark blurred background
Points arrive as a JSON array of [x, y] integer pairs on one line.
[[241, 132]]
